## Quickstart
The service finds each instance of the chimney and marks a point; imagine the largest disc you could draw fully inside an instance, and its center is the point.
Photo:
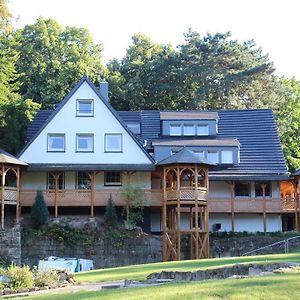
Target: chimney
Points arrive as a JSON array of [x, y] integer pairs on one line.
[[104, 90]]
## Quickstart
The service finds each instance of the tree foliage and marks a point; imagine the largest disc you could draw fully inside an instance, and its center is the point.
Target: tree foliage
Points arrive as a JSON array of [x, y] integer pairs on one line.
[[135, 202], [39, 211], [210, 72], [15, 113], [53, 59], [288, 123], [5, 18]]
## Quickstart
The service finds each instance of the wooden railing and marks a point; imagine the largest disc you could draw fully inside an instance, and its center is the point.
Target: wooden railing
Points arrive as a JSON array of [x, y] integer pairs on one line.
[[186, 194], [83, 197], [10, 195], [154, 197]]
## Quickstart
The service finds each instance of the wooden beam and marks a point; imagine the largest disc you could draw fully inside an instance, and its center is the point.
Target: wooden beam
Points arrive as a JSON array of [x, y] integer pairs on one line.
[[178, 215], [231, 185], [92, 177], [297, 203], [18, 196], [263, 187], [164, 216]]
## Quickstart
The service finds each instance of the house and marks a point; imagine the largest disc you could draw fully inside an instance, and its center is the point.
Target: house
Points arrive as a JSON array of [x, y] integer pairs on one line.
[[84, 150]]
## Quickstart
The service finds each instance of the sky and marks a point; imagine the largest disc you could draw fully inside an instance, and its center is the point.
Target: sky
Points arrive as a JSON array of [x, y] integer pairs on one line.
[[274, 25]]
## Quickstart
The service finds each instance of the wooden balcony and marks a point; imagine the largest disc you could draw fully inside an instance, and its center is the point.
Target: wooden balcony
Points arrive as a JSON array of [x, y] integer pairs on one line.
[[10, 195], [83, 197], [187, 194], [154, 197]]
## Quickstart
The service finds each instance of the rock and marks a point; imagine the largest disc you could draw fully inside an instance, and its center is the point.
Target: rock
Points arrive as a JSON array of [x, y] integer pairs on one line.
[[71, 280], [253, 271]]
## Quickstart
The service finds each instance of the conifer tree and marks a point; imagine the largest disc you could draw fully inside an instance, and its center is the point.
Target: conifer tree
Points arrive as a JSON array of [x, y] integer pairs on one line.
[[39, 211], [110, 215]]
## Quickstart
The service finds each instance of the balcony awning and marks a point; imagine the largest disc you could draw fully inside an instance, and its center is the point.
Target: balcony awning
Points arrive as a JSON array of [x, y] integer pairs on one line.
[[7, 158]]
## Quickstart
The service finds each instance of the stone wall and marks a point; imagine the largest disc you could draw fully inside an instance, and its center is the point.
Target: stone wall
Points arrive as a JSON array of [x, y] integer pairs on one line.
[[138, 250], [10, 245]]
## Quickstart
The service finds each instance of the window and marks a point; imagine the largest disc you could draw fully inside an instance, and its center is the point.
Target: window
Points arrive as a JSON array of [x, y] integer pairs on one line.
[[113, 142], [134, 128], [200, 153], [213, 156], [85, 142], [188, 129], [85, 108], [175, 129], [259, 190], [56, 142], [112, 178], [51, 181], [242, 189], [83, 181], [226, 157], [202, 129]]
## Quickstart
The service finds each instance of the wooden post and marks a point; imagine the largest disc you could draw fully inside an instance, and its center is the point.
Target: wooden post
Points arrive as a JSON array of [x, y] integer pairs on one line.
[[92, 177], [298, 205], [263, 187], [164, 212], [232, 184], [56, 177], [178, 215], [197, 218], [18, 196], [2, 196]]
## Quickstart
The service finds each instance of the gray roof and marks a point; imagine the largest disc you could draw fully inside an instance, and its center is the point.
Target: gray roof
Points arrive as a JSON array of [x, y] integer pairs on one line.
[[261, 156], [185, 156]]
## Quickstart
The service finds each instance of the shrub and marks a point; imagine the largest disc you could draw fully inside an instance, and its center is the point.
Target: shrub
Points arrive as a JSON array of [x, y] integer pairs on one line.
[[19, 277], [46, 278], [110, 215], [39, 211]]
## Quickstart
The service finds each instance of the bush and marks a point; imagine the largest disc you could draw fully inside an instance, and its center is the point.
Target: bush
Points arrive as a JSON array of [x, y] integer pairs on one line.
[[110, 215], [39, 211], [19, 277], [46, 278]]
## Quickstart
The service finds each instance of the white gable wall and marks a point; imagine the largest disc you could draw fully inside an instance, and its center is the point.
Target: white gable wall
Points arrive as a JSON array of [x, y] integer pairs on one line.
[[65, 121]]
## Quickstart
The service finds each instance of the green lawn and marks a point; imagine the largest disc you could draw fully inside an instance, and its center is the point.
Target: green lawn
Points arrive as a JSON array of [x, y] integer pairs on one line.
[[140, 272], [279, 286]]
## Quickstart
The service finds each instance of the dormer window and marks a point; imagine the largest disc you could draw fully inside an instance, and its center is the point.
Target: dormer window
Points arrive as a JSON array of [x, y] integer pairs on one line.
[[202, 129], [226, 157], [175, 129], [188, 129], [85, 108], [213, 156]]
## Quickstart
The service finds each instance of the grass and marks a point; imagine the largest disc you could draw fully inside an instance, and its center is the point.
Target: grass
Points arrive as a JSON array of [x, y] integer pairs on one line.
[[279, 286], [140, 272]]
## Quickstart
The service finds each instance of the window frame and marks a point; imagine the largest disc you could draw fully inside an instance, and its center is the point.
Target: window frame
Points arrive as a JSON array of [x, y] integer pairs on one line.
[[191, 126], [63, 181], [227, 163], [83, 150], [268, 183], [88, 188], [249, 189], [213, 151], [175, 125], [78, 114], [202, 125], [63, 135], [105, 142], [106, 183]]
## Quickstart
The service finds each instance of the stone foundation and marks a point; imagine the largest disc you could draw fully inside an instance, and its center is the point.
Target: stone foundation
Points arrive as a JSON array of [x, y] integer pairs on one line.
[[10, 241]]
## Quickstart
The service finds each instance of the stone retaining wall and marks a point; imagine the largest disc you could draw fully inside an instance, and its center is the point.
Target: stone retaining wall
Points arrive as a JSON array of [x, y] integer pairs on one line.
[[10, 245]]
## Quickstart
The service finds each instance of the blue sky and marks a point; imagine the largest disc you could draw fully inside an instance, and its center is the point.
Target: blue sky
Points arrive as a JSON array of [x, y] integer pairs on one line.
[[274, 25]]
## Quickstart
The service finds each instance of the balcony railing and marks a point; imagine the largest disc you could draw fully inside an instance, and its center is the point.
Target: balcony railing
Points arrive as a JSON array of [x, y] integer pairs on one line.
[[154, 197], [83, 197], [10, 195]]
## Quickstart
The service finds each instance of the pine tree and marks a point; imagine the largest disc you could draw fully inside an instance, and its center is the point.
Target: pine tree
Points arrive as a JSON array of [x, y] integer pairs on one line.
[[39, 211], [110, 215]]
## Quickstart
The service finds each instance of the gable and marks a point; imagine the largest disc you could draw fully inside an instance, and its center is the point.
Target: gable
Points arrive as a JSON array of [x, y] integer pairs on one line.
[[65, 121]]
